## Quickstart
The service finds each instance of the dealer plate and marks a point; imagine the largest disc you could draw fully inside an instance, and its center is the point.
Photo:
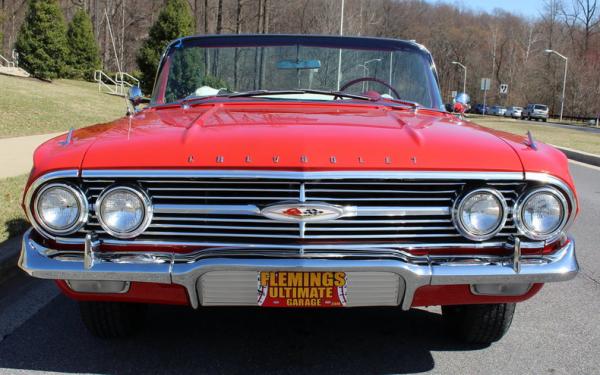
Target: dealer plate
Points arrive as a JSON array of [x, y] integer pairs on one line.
[[302, 289]]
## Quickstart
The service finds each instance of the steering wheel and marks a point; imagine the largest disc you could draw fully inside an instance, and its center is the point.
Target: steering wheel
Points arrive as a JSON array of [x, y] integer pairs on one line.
[[369, 79]]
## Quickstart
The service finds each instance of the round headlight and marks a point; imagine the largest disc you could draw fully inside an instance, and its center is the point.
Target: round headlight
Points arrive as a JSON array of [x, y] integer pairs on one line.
[[123, 212], [60, 208], [480, 214], [541, 214]]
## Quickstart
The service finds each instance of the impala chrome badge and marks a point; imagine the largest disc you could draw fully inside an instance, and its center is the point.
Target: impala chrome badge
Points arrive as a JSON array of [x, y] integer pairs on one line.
[[303, 212]]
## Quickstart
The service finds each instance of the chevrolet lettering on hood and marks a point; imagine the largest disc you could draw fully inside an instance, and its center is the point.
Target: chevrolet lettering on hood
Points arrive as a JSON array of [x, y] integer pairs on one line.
[[279, 171]]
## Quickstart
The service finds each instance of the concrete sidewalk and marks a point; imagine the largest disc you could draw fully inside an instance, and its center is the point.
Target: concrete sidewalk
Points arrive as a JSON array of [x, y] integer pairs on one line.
[[16, 154]]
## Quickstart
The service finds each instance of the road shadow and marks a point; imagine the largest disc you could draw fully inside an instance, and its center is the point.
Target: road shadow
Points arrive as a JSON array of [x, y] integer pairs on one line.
[[234, 340]]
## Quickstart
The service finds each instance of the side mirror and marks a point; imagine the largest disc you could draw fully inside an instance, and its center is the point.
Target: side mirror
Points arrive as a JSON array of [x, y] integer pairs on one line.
[[461, 103], [136, 97]]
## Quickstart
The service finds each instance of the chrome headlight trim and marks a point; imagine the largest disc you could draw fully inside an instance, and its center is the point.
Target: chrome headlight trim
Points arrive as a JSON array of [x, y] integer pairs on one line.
[[518, 214], [82, 203], [147, 208], [459, 204]]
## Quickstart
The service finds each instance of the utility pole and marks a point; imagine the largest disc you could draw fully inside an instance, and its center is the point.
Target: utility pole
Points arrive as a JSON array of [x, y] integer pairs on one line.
[[562, 100], [465, 75], [339, 72]]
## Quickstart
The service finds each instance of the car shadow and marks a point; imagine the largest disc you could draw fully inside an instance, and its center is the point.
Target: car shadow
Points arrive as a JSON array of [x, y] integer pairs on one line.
[[234, 340]]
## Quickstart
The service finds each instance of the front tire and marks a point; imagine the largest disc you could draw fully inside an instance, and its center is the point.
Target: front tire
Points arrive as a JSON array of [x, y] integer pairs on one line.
[[478, 324], [112, 319]]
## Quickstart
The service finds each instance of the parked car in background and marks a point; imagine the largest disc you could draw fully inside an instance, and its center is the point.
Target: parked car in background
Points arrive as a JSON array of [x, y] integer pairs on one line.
[[514, 112], [336, 196], [480, 108], [497, 110], [535, 112]]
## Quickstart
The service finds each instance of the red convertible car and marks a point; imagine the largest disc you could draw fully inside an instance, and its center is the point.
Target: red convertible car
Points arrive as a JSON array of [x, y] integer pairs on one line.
[[298, 172]]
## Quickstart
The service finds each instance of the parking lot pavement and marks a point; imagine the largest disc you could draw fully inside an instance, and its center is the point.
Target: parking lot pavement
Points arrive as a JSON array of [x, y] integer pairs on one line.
[[555, 333]]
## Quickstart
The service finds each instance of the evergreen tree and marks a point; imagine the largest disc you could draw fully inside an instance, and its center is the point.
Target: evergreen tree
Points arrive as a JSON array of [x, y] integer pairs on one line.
[[84, 56], [42, 41], [173, 22]]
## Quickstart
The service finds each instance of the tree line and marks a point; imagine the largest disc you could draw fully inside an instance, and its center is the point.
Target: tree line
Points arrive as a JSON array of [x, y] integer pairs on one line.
[[503, 46]]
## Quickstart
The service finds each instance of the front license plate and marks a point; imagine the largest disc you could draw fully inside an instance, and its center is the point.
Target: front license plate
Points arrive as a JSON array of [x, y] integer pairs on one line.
[[302, 289]]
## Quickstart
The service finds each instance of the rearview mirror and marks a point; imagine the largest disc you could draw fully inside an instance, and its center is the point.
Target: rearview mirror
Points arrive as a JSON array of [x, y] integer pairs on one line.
[[298, 64], [136, 97]]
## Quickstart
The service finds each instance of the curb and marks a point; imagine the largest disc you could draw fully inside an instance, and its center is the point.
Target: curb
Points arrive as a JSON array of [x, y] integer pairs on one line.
[[581, 156], [9, 256]]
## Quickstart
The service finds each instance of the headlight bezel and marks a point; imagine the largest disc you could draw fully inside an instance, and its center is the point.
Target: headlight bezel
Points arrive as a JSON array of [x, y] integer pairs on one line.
[[518, 214], [82, 203], [147, 210], [458, 208]]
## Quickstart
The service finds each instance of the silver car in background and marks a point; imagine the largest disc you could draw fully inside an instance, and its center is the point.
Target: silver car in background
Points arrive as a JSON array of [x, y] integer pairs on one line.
[[514, 112], [497, 110], [535, 112]]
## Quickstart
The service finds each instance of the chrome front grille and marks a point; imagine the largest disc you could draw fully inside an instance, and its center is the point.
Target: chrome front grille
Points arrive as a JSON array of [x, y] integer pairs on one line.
[[227, 209]]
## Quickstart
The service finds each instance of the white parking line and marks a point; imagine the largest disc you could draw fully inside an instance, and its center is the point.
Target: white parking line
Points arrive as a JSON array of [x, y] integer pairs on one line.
[[584, 165]]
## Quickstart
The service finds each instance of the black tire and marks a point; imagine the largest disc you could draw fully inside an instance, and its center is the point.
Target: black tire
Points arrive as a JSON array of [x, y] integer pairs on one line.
[[112, 319], [478, 324], [545, 120]]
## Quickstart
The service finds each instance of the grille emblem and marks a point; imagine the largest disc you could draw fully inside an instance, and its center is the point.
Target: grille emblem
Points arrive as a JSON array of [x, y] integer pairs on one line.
[[303, 212]]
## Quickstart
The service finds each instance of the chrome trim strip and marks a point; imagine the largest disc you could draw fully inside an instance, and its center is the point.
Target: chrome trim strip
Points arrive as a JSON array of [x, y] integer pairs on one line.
[[249, 209], [293, 175], [407, 246], [211, 209], [183, 270]]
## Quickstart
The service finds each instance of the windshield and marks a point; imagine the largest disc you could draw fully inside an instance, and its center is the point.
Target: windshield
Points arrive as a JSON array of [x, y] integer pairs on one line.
[[540, 107], [195, 71]]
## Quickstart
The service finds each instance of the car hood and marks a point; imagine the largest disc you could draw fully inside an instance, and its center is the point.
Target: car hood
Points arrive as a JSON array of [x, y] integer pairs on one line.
[[270, 135]]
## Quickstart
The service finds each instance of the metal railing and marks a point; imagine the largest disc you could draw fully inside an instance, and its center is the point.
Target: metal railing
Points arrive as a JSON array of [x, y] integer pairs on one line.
[[125, 81], [105, 82], [6, 62], [117, 86]]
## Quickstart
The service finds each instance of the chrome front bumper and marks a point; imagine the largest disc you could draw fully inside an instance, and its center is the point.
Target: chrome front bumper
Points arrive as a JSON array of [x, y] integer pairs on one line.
[[196, 271]]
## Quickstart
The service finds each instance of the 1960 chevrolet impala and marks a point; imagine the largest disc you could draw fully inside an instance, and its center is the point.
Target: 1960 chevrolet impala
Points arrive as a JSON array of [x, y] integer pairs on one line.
[[299, 172]]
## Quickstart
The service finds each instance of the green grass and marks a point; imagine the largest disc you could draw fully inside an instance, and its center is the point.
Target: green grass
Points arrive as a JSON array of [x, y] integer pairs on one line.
[[12, 218], [570, 138], [30, 106]]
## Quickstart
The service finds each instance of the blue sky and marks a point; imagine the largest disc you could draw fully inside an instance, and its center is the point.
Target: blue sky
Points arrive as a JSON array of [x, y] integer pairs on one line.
[[528, 8]]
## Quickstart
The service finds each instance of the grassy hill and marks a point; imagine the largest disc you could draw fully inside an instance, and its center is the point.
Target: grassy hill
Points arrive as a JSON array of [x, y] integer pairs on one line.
[[29, 106]]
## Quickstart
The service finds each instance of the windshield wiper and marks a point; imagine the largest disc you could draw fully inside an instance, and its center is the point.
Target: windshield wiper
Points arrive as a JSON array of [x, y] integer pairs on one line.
[[335, 94]]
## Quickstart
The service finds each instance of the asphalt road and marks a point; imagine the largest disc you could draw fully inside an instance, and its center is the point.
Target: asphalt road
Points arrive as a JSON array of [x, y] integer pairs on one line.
[[555, 333]]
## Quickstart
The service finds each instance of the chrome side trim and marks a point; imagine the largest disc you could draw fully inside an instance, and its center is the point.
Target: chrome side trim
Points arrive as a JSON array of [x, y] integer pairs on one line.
[[41, 262], [293, 175]]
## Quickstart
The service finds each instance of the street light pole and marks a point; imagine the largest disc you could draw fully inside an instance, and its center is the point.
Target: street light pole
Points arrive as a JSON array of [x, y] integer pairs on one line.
[[465, 75], [339, 72], [562, 100]]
